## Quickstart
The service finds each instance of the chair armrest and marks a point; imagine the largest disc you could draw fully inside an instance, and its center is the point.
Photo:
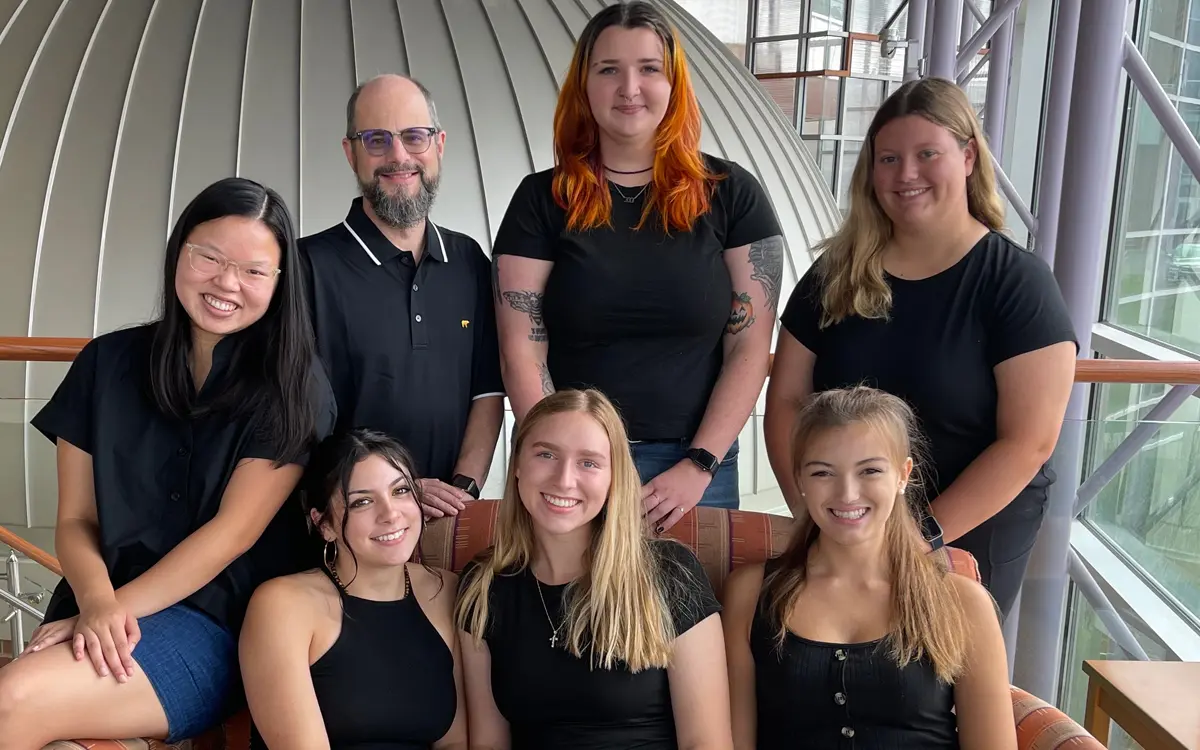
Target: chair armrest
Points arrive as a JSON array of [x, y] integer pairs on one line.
[[1041, 726]]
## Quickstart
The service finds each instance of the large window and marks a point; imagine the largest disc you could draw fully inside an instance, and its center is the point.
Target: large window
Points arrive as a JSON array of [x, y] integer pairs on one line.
[[1154, 287], [1150, 512]]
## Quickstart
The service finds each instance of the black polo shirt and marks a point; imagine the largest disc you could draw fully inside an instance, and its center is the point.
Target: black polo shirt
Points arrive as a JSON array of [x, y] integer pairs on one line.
[[157, 478], [408, 346], [638, 313]]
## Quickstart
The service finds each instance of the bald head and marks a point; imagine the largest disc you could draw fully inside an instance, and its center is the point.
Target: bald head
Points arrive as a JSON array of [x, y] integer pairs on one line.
[[390, 92]]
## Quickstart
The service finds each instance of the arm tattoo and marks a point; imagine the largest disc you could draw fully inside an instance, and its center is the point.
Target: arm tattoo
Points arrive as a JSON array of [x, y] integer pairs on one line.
[[741, 315], [547, 383], [766, 255], [530, 303]]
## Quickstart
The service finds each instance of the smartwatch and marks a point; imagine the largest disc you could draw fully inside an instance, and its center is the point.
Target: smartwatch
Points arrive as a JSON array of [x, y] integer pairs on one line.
[[705, 460], [932, 531], [466, 484]]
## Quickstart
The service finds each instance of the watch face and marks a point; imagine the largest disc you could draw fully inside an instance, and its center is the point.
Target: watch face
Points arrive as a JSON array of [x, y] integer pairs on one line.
[[704, 459]]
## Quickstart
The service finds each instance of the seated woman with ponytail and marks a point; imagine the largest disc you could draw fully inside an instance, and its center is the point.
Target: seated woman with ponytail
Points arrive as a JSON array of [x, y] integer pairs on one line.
[[856, 634]]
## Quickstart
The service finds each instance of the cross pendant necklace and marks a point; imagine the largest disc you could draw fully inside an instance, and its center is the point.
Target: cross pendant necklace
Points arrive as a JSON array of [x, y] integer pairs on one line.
[[553, 629]]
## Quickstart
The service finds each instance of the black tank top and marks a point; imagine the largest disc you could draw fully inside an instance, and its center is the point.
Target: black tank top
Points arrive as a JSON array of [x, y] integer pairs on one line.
[[827, 696], [387, 682]]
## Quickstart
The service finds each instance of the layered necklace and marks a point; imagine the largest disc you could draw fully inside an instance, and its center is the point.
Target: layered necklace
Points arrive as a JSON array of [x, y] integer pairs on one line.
[[638, 194]]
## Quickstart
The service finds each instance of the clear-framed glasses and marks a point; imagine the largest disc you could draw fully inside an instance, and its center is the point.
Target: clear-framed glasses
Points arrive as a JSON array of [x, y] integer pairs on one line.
[[209, 263], [378, 141]]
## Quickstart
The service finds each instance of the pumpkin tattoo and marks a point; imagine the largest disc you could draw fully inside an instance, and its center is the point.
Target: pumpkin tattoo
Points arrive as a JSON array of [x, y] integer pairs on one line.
[[741, 316]]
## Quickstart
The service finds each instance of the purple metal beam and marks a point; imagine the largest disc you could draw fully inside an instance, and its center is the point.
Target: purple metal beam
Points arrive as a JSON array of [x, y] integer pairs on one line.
[[1089, 173], [975, 11], [966, 78], [1000, 14], [1156, 99], [1111, 619], [913, 67], [1132, 444], [943, 45], [999, 73], [1054, 133], [1014, 198]]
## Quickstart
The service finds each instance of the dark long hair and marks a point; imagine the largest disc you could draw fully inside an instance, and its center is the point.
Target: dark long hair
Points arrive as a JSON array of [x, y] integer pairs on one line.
[[269, 373], [333, 461]]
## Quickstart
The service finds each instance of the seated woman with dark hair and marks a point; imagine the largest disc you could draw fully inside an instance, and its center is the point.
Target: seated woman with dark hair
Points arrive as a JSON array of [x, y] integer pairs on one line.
[[362, 652], [856, 636], [178, 443]]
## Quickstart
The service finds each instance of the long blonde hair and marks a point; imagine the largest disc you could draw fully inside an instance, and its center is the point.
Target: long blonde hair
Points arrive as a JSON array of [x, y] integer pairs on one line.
[[617, 610], [850, 265], [926, 611]]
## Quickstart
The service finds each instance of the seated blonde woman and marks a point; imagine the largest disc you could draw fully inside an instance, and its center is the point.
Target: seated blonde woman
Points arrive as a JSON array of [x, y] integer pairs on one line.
[[579, 631], [856, 636], [362, 652]]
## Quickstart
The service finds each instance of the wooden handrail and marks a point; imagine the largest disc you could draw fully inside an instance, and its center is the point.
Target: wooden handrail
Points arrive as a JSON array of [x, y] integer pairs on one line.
[[30, 550], [22, 349]]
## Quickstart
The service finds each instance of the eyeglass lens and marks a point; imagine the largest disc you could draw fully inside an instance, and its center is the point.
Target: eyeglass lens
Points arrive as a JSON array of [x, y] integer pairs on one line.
[[379, 142], [210, 263]]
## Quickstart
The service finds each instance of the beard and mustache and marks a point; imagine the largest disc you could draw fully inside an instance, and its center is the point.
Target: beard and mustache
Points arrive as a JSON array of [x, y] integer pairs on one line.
[[400, 209]]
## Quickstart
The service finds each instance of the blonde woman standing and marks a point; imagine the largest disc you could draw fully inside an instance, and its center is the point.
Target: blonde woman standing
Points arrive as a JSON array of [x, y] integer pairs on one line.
[[577, 630], [921, 295], [855, 636]]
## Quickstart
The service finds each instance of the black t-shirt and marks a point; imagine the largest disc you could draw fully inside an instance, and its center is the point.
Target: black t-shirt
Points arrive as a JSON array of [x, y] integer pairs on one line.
[[938, 348], [553, 700], [158, 479], [639, 314]]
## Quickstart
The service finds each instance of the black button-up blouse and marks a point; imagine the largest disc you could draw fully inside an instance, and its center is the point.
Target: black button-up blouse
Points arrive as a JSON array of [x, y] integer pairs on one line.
[[158, 478]]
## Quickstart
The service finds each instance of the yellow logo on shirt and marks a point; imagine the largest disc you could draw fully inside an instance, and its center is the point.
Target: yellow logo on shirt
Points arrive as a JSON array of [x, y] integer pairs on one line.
[[465, 323]]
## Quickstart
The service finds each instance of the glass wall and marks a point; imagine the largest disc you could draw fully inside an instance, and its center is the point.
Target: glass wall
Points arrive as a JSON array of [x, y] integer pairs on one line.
[[1154, 287], [1151, 511], [1149, 515]]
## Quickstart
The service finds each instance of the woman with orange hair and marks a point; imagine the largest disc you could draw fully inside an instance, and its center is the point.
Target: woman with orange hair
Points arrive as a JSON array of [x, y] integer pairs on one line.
[[641, 266]]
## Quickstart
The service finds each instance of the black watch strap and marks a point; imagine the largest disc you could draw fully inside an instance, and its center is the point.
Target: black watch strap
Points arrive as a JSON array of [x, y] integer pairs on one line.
[[705, 460], [466, 484]]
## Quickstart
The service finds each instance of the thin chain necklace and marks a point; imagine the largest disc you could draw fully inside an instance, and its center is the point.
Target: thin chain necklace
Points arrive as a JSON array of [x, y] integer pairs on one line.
[[553, 627], [630, 198]]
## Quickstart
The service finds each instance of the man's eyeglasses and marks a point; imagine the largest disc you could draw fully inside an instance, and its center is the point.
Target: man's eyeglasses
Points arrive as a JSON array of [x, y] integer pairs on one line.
[[378, 141], [209, 263]]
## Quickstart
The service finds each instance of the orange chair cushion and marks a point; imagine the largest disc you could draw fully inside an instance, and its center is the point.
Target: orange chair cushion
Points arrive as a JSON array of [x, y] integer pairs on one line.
[[722, 539]]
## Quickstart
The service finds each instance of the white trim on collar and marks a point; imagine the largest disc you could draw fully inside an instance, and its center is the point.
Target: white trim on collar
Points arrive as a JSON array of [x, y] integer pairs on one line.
[[371, 255], [361, 244], [441, 243]]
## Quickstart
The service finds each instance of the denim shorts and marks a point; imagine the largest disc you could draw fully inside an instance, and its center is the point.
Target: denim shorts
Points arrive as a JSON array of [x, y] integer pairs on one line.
[[654, 457], [191, 662]]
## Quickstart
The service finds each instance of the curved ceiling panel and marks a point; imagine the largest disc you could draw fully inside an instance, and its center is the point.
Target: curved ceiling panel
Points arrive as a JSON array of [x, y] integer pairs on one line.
[[114, 113]]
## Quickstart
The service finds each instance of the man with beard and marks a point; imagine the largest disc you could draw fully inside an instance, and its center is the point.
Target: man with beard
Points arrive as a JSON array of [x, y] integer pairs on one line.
[[403, 308]]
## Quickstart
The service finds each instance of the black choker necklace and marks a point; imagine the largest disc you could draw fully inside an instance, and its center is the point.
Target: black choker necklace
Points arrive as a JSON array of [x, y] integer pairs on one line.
[[636, 171]]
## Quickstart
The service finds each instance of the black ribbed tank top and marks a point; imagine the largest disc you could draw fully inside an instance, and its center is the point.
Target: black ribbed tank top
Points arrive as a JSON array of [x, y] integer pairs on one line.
[[845, 696]]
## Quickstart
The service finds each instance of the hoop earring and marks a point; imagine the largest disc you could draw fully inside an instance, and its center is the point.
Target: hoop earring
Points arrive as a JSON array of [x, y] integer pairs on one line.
[[330, 563]]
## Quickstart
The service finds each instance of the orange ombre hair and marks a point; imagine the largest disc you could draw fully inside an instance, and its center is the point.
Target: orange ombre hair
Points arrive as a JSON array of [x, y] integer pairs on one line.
[[681, 183]]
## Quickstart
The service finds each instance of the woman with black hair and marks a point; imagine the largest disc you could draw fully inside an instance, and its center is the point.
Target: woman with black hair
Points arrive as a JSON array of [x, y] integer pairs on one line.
[[178, 443], [363, 650]]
